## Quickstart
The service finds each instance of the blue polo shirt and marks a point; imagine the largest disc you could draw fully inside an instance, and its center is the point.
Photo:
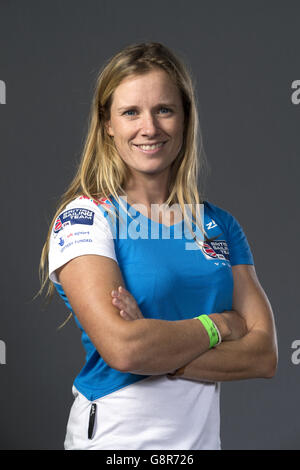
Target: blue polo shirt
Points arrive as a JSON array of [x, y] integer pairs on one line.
[[168, 273]]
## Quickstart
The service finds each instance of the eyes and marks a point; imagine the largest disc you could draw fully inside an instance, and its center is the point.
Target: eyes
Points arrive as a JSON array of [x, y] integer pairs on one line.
[[133, 112]]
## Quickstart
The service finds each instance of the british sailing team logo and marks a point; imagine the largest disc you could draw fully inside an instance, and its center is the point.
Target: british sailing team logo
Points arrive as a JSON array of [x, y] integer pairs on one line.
[[216, 249], [74, 216]]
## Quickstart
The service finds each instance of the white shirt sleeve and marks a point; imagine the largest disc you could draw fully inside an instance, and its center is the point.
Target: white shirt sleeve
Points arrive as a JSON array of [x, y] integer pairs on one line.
[[80, 229]]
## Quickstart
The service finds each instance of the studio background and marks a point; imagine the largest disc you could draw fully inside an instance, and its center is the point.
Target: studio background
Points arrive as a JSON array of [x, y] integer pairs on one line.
[[245, 60]]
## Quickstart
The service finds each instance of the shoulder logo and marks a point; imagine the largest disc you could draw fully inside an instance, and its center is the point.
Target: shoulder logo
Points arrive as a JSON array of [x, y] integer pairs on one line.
[[72, 217]]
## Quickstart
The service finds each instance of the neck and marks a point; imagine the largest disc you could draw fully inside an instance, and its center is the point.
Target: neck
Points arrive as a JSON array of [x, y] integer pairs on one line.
[[147, 189]]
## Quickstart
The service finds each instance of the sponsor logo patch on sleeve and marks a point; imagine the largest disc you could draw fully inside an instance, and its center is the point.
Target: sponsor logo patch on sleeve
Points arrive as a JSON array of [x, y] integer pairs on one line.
[[72, 217]]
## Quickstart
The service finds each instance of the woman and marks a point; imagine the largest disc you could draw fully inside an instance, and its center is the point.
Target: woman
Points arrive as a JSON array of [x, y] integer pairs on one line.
[[136, 279]]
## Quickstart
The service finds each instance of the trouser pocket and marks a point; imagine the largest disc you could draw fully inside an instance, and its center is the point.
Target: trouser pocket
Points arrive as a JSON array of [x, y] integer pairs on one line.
[[82, 423]]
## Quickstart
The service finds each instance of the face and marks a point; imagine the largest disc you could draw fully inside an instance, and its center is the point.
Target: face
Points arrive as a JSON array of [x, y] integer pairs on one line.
[[147, 122]]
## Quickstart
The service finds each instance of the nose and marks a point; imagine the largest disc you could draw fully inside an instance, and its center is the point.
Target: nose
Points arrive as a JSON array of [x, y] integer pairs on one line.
[[149, 125]]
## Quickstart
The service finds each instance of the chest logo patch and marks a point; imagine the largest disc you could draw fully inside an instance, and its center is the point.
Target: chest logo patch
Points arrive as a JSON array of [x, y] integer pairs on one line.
[[216, 250]]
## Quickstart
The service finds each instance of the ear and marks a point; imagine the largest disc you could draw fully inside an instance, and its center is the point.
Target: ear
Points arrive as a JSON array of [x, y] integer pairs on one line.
[[109, 129]]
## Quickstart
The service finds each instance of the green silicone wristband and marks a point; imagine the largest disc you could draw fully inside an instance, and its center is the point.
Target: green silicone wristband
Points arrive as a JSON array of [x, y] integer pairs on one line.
[[210, 328]]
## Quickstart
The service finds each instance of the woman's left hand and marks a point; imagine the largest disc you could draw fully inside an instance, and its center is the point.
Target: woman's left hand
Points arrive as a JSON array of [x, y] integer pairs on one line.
[[126, 303]]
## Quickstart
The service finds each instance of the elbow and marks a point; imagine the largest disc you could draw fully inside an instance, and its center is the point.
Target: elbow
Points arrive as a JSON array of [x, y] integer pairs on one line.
[[126, 349], [270, 367], [123, 357], [120, 360], [128, 360], [131, 351], [118, 363], [117, 350]]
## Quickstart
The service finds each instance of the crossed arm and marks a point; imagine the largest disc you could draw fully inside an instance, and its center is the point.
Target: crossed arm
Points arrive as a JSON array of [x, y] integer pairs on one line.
[[252, 353], [128, 342]]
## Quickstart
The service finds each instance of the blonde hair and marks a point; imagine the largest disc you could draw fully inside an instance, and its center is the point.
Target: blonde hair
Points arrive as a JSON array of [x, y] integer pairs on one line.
[[102, 172]]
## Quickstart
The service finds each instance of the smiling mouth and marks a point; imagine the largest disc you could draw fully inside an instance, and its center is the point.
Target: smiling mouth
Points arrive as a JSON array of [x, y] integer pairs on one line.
[[150, 147]]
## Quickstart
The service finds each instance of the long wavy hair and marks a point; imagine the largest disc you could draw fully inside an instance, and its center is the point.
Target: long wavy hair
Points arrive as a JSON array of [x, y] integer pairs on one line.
[[102, 172]]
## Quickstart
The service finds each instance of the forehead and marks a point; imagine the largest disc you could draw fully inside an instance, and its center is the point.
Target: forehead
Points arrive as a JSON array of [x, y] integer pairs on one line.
[[155, 85]]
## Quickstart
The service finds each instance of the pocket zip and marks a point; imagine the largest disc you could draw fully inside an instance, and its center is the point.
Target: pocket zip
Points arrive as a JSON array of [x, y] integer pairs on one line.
[[92, 420]]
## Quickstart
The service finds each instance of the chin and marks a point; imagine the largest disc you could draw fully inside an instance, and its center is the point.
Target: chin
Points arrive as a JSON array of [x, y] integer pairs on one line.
[[153, 170]]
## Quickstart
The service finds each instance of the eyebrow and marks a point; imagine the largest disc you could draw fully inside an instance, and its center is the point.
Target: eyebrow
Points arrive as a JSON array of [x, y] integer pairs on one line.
[[159, 105]]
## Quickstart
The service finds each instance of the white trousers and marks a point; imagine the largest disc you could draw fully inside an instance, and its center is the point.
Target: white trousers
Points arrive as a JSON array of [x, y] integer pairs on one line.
[[154, 413]]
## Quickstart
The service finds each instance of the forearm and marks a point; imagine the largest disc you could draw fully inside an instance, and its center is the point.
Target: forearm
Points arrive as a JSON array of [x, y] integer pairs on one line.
[[160, 346], [253, 356]]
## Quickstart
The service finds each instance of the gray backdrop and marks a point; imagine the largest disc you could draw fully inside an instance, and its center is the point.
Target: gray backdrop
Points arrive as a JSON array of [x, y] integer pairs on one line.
[[245, 58]]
